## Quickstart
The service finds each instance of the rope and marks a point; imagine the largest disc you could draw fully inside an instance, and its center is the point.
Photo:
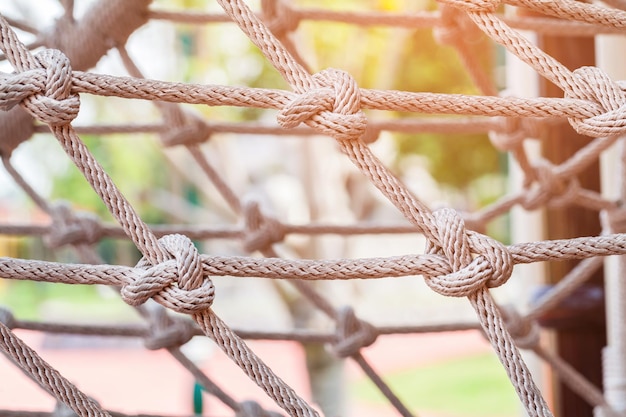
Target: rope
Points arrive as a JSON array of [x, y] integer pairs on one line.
[[458, 262], [45, 375]]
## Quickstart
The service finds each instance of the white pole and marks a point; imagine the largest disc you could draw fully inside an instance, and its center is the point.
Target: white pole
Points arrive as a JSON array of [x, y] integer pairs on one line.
[[613, 176]]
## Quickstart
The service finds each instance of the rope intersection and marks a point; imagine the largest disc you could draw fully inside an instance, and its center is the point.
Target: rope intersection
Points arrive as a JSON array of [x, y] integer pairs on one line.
[[458, 262]]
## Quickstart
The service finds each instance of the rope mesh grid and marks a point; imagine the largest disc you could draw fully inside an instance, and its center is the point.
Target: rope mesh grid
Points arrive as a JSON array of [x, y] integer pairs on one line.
[[458, 261]]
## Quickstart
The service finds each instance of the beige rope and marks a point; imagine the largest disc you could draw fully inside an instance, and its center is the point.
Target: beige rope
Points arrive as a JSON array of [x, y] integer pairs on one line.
[[402, 101], [579, 107], [45, 375], [141, 331], [430, 264], [577, 276], [572, 10], [351, 335], [57, 108], [415, 19], [592, 84], [525, 332], [459, 262]]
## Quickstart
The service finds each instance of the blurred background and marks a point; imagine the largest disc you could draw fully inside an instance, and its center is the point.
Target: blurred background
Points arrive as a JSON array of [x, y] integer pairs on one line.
[[298, 180]]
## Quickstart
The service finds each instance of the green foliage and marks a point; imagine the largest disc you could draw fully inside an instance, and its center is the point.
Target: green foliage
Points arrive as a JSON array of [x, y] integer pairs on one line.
[[425, 65], [26, 299], [71, 185], [470, 386], [454, 160], [134, 165], [411, 60]]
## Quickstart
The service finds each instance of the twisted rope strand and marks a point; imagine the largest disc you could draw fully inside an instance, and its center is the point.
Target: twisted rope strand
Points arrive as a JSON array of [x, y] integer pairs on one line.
[[391, 100], [416, 19], [579, 248], [458, 262], [145, 240], [46, 376]]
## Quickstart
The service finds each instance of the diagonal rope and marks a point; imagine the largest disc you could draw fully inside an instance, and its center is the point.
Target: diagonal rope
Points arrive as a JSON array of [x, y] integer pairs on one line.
[[120, 208], [46, 376], [459, 263]]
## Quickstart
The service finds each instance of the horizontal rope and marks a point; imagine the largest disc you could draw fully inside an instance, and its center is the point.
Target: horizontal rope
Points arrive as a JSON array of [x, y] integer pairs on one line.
[[417, 19], [278, 268], [392, 100], [434, 125], [299, 335]]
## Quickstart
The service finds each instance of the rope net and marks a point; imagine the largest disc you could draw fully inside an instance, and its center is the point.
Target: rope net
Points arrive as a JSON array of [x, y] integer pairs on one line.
[[458, 261]]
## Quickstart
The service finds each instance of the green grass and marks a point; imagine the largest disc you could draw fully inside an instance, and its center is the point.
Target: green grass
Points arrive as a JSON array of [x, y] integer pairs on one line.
[[26, 299], [470, 386]]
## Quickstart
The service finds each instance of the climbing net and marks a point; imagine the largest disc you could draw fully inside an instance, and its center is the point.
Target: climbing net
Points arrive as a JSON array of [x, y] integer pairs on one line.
[[458, 261]]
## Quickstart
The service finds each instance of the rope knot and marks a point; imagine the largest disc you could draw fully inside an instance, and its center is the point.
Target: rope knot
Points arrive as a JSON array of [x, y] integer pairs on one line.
[[279, 17], [69, 227], [510, 136], [167, 331], [477, 261], [525, 333], [17, 86], [552, 189], [253, 409], [454, 26], [261, 231], [178, 284], [189, 130], [7, 318], [333, 107], [596, 86], [352, 333], [54, 104]]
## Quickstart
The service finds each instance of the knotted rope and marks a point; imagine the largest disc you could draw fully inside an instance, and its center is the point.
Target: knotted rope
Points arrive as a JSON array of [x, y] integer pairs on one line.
[[491, 267], [44, 90], [189, 278], [178, 284], [352, 333], [260, 231], [168, 331], [459, 262], [332, 106], [70, 227], [608, 94], [495, 269]]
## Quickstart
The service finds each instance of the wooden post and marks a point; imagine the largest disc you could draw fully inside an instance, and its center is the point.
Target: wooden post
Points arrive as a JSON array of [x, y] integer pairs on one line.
[[579, 322]]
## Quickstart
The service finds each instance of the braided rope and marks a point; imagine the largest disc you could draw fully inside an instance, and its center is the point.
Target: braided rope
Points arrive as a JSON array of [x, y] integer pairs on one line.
[[459, 262]]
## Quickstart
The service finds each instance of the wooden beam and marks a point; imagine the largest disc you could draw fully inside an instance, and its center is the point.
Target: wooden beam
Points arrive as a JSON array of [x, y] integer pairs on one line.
[[579, 322]]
